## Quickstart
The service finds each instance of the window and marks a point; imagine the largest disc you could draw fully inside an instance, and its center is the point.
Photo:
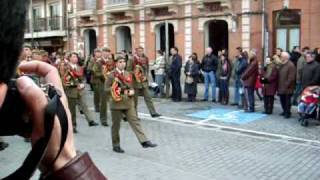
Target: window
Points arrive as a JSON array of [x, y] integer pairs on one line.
[[54, 10], [287, 29], [37, 20], [54, 19]]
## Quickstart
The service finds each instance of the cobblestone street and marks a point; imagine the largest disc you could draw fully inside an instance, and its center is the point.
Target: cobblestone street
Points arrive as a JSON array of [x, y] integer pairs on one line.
[[202, 151]]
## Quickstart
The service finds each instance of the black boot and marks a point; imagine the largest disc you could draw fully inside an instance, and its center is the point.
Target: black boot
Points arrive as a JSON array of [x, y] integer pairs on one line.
[[148, 144]]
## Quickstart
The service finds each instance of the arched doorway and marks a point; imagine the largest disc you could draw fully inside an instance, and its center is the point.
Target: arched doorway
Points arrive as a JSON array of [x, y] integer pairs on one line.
[[217, 35], [161, 36], [123, 39], [90, 42]]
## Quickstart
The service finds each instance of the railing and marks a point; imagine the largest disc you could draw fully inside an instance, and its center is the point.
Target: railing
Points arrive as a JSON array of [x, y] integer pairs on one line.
[[83, 5], [116, 2], [46, 24]]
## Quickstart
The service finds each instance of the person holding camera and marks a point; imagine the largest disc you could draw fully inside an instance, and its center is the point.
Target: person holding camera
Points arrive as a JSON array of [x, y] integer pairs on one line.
[[54, 163], [120, 84]]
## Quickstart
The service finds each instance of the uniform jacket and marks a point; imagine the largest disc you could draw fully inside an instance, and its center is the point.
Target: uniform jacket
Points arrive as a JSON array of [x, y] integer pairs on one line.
[[140, 71], [72, 78], [117, 84]]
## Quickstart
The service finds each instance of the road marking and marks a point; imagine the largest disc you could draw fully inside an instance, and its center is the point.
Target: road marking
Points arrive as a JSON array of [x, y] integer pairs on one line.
[[251, 133]]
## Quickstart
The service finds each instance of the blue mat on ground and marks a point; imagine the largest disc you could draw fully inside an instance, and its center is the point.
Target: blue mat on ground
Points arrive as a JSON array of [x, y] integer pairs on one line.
[[227, 115]]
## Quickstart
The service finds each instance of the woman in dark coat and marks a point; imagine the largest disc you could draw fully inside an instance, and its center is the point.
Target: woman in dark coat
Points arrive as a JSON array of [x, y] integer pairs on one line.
[[191, 71], [224, 76], [270, 81], [249, 78]]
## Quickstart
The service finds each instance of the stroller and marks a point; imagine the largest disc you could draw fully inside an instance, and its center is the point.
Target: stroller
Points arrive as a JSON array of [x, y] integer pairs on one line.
[[309, 105]]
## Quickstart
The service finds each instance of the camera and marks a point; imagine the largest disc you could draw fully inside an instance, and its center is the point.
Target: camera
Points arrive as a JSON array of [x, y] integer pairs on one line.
[[14, 120]]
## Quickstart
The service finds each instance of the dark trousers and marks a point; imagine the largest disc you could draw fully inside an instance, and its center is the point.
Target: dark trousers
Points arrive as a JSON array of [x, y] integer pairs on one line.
[[191, 97], [285, 100], [224, 91], [268, 104], [249, 96], [176, 87]]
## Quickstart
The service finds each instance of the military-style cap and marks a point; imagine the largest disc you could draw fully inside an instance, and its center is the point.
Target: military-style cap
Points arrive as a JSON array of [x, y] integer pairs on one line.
[[106, 49], [44, 53], [36, 52], [97, 50], [119, 57]]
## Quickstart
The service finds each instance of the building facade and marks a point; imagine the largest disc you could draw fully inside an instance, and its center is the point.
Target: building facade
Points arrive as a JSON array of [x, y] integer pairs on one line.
[[193, 25], [46, 25]]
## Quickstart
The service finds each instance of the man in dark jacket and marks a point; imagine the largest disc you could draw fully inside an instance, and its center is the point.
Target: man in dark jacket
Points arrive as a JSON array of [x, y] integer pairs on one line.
[[295, 55], [310, 72], [209, 66], [175, 72], [238, 68], [286, 86], [249, 78]]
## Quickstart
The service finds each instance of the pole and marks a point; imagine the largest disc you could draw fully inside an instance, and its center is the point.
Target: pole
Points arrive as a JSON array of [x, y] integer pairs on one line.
[[31, 22], [263, 40], [67, 23], [167, 39]]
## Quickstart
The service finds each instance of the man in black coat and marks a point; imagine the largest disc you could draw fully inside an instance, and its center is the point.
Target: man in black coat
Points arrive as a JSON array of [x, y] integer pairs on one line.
[[209, 66], [175, 72], [311, 72], [295, 55]]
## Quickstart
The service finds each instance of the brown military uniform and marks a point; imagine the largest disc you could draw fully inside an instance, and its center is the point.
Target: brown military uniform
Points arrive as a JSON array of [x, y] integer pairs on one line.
[[118, 84], [74, 88], [141, 69], [107, 67]]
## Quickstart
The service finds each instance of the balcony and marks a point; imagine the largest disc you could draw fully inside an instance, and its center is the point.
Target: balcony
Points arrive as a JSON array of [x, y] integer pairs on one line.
[[86, 8], [156, 3], [118, 6], [46, 27], [213, 5]]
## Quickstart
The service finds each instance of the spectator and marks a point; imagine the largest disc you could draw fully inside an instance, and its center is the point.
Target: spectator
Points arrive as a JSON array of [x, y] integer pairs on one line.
[[317, 54], [175, 73], [159, 69], [249, 80], [258, 85], [224, 77], [286, 84], [295, 55], [301, 62], [269, 79], [277, 56], [191, 71], [239, 67], [310, 72], [209, 65]]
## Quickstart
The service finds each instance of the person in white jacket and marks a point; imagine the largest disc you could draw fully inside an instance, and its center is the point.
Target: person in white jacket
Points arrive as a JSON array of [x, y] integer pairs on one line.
[[159, 69]]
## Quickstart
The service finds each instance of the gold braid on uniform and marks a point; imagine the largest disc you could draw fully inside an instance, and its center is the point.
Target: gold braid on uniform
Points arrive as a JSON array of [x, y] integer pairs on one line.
[[118, 82], [116, 90]]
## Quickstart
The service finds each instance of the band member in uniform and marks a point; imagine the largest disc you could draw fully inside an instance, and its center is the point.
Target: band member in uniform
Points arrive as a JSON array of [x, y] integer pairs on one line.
[[97, 78], [141, 85], [74, 88], [107, 65], [120, 85]]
